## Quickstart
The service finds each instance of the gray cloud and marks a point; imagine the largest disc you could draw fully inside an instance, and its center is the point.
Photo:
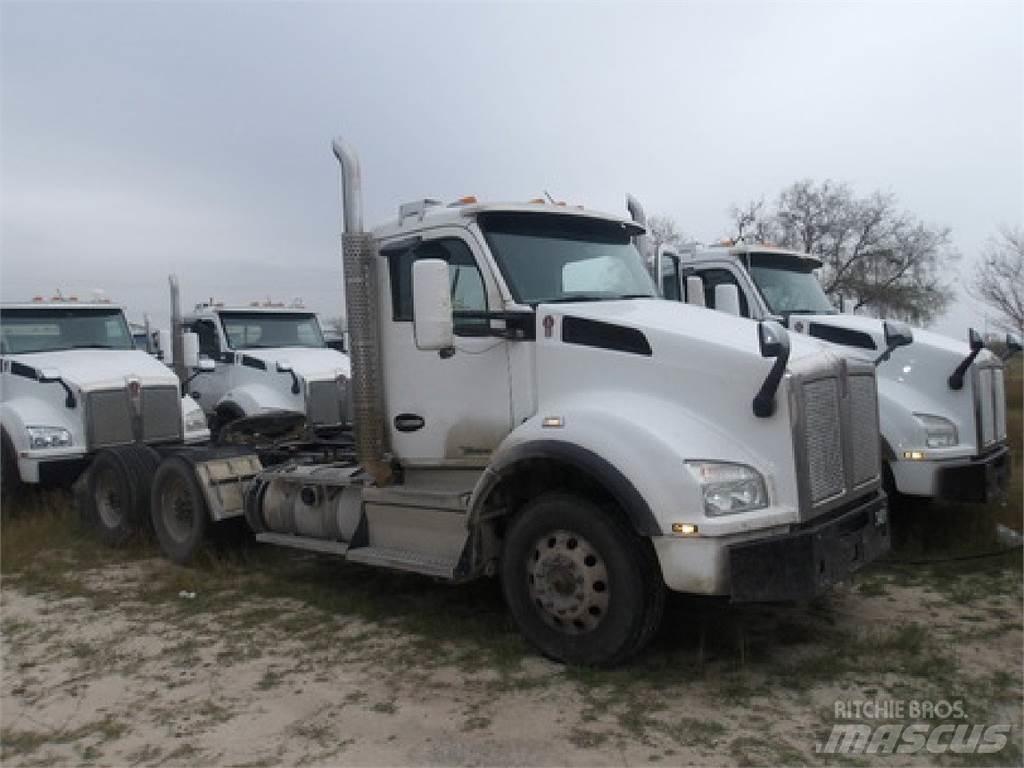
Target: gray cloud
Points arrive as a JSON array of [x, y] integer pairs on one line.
[[141, 139]]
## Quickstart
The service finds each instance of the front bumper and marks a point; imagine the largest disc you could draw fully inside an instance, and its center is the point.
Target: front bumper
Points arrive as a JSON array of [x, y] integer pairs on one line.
[[981, 479], [805, 562], [59, 470]]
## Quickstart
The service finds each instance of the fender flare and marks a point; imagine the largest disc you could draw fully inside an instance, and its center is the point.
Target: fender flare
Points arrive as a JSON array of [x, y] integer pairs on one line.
[[604, 473]]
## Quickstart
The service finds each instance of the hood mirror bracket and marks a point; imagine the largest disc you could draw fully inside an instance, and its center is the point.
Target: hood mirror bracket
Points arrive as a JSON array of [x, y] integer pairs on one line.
[[283, 366], [897, 335], [956, 379], [51, 376], [774, 342]]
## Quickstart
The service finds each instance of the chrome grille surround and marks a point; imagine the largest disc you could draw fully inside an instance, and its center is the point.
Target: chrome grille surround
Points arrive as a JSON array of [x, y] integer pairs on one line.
[[327, 401], [865, 442], [989, 387], [161, 414], [834, 412], [108, 418]]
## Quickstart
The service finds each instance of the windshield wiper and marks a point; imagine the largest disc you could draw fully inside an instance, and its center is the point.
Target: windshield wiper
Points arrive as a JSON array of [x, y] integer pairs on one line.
[[568, 299]]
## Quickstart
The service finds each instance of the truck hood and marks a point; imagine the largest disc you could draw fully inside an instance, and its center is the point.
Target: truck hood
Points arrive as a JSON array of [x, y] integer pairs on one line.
[[673, 318], [307, 362], [90, 369], [865, 337]]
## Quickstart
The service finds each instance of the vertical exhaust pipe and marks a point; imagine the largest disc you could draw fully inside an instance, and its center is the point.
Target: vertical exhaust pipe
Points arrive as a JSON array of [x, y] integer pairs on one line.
[[642, 242], [361, 300], [177, 340], [149, 334]]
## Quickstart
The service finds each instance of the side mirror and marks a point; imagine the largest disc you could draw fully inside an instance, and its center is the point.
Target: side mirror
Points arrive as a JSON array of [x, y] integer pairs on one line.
[[727, 299], [1013, 346], [190, 349], [164, 346], [773, 340], [897, 335], [956, 378], [433, 322], [206, 365], [695, 291]]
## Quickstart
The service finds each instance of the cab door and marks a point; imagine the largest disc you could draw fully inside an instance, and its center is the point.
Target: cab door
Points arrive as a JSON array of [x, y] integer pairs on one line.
[[453, 407], [208, 388]]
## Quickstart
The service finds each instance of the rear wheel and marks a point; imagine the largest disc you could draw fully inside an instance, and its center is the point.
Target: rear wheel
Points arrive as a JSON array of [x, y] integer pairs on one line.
[[117, 492], [581, 585], [179, 513]]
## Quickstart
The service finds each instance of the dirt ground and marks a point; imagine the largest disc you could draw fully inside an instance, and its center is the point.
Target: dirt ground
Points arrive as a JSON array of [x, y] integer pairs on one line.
[[257, 657]]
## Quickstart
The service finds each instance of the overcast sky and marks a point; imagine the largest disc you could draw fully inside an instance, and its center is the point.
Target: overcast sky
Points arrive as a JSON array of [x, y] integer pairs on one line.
[[143, 139]]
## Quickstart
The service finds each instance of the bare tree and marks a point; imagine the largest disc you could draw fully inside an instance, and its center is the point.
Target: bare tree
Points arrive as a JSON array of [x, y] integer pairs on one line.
[[752, 221], [999, 280], [664, 230], [873, 253]]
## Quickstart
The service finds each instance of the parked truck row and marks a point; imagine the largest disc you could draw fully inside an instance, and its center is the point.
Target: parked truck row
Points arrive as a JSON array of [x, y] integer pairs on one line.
[[520, 401]]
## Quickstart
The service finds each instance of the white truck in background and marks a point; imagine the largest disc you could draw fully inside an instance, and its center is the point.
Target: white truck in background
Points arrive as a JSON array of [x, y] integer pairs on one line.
[[526, 406], [942, 402], [266, 357], [73, 384]]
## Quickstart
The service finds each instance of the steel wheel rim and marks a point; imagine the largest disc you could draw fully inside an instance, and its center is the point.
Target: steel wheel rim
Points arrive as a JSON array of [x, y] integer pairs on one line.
[[107, 496], [568, 582], [177, 510]]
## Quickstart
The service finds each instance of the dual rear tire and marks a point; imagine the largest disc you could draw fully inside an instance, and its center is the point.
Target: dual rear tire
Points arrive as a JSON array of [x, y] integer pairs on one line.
[[116, 499]]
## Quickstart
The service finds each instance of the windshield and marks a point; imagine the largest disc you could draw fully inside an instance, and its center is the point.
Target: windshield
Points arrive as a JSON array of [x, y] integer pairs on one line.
[[788, 285], [50, 329], [264, 330], [546, 258]]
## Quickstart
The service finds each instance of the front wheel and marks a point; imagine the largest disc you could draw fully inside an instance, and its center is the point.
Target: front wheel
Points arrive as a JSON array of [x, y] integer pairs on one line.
[[180, 516], [582, 586], [117, 492]]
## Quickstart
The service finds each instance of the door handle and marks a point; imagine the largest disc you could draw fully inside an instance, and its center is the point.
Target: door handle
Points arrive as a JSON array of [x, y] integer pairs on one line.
[[408, 422]]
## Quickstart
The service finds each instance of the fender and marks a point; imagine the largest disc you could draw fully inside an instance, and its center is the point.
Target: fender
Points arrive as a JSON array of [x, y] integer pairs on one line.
[[617, 484], [253, 398]]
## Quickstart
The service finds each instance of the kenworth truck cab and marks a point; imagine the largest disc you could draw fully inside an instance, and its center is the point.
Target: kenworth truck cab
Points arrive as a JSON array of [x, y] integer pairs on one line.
[[73, 383], [942, 402], [526, 406], [267, 357]]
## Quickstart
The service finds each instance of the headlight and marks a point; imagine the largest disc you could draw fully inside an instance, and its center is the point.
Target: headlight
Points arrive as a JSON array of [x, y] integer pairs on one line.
[[729, 488], [48, 437], [940, 432], [195, 420]]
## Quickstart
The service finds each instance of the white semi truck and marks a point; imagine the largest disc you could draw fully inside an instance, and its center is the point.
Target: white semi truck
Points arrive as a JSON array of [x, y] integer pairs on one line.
[[73, 384], [266, 357], [942, 402], [526, 406]]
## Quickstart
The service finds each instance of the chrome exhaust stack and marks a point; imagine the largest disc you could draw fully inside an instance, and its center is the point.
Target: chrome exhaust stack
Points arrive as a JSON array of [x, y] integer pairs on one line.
[[642, 242], [177, 339], [361, 310]]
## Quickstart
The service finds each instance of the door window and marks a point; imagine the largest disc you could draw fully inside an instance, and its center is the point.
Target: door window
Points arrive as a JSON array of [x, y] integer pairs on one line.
[[209, 343], [467, 284], [715, 277]]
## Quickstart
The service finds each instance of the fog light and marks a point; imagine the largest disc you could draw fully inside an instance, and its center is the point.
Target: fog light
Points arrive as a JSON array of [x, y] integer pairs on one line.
[[684, 529], [913, 455], [552, 421]]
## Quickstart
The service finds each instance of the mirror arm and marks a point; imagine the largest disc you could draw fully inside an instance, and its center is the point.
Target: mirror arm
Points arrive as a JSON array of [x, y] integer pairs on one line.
[[295, 381], [956, 379], [884, 357], [764, 400], [69, 401]]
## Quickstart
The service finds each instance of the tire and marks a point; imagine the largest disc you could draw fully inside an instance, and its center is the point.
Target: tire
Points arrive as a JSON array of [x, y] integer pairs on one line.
[[116, 502], [10, 478], [223, 416], [582, 586], [179, 514]]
